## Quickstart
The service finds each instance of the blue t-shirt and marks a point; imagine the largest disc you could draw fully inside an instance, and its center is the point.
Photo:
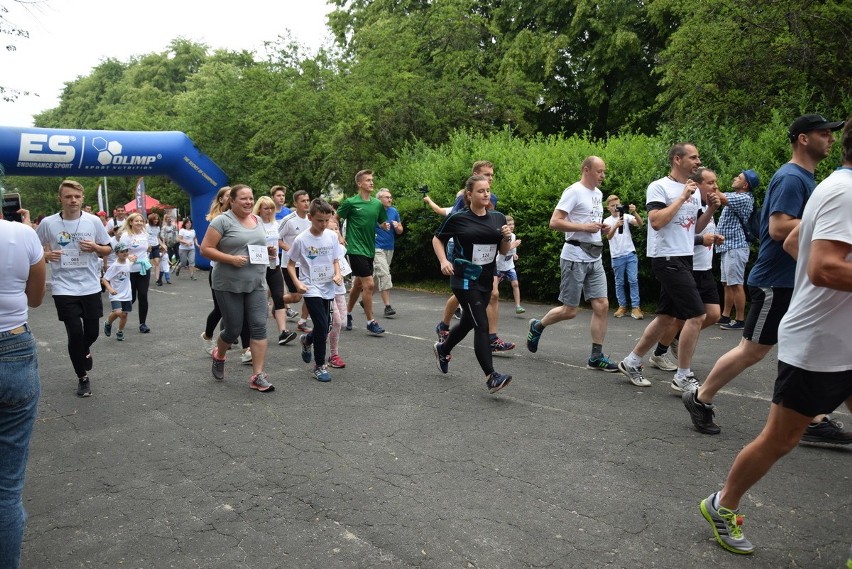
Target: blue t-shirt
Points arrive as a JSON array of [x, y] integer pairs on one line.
[[285, 211], [788, 192], [385, 237]]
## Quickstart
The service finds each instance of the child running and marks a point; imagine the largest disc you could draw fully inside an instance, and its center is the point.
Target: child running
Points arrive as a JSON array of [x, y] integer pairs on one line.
[[317, 251], [116, 280], [338, 309], [506, 266]]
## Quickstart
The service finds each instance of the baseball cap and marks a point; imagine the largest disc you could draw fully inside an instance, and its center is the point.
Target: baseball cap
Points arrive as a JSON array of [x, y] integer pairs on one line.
[[806, 123], [752, 178], [121, 247]]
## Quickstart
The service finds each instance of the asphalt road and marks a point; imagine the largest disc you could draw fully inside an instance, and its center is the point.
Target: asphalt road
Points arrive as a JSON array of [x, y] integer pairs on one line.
[[393, 464]]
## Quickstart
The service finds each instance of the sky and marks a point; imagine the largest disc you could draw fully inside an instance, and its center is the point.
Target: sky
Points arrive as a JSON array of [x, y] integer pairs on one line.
[[68, 38]]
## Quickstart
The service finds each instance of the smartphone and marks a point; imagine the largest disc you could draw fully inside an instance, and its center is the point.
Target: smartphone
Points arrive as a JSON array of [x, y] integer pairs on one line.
[[11, 205]]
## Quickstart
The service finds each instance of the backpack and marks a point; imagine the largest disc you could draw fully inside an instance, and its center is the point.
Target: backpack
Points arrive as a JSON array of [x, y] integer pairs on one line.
[[751, 226]]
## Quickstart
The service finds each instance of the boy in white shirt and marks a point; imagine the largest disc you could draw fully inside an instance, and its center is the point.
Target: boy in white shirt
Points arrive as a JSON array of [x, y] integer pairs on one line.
[[506, 266], [116, 280]]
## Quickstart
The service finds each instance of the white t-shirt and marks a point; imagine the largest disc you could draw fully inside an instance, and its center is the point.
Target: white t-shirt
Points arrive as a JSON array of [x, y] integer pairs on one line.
[[315, 257], [813, 334], [507, 262], [271, 230], [118, 276], [345, 269], [138, 244], [583, 205], [77, 273], [621, 244], [20, 249], [291, 226], [186, 235], [153, 234], [676, 238], [112, 223], [702, 257]]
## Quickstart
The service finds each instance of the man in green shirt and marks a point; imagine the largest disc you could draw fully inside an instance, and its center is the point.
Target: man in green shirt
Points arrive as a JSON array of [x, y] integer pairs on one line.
[[363, 213]]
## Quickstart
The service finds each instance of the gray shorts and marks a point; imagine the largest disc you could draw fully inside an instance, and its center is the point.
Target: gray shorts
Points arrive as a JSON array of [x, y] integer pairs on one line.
[[579, 277], [733, 266]]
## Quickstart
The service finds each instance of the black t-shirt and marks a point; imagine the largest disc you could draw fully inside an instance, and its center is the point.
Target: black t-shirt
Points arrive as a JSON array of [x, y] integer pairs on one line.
[[477, 239]]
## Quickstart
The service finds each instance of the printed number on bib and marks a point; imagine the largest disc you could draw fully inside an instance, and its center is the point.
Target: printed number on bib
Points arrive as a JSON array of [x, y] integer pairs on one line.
[[72, 259], [484, 254], [258, 255], [322, 273]]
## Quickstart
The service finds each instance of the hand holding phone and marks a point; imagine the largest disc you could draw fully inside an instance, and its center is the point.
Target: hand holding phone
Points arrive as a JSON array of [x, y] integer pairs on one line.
[[11, 206]]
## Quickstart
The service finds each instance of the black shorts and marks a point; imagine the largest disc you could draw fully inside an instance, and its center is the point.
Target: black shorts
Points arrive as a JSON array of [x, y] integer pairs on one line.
[[86, 307], [155, 252], [811, 393], [708, 290], [768, 307], [361, 266], [291, 286], [678, 294]]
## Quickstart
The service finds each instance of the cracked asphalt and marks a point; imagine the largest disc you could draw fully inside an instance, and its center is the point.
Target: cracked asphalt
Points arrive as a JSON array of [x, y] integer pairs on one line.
[[393, 464]]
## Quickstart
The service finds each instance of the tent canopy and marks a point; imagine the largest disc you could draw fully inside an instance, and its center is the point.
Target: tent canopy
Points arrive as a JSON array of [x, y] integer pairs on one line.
[[150, 203]]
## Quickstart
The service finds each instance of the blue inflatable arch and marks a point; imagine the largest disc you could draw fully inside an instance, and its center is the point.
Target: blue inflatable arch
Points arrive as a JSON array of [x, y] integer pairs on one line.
[[96, 153]]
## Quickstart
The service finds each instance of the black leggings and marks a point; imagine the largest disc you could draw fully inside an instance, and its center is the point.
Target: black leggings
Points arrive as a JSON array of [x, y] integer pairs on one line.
[[139, 285], [320, 311], [82, 333], [275, 280], [474, 317]]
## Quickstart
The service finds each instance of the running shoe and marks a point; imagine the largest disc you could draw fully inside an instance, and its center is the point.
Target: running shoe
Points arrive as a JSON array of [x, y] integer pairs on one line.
[[291, 313], [622, 310], [733, 325], [827, 431], [681, 384], [634, 374], [119, 336], [107, 328], [723, 320], [321, 374], [662, 362], [302, 326], [727, 527], [443, 361], [245, 357], [534, 335], [497, 381], [520, 309], [84, 387], [218, 368], [701, 413], [209, 343], [389, 311], [349, 322], [286, 337], [498, 346], [374, 328], [336, 362], [442, 330], [637, 314], [144, 328], [602, 363], [306, 348], [260, 381]]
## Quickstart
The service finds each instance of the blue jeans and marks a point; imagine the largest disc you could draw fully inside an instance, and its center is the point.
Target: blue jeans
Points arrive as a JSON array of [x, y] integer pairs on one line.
[[19, 391], [626, 265]]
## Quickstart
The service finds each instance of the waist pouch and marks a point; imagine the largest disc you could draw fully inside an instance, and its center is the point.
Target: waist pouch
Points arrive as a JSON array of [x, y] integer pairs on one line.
[[589, 248], [465, 269]]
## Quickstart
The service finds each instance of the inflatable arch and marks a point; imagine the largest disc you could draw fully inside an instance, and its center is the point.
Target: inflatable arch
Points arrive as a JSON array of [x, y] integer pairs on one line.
[[96, 153]]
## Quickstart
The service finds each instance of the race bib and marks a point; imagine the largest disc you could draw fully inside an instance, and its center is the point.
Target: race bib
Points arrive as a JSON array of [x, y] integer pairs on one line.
[[345, 269], [483, 254], [72, 259], [322, 274], [258, 255]]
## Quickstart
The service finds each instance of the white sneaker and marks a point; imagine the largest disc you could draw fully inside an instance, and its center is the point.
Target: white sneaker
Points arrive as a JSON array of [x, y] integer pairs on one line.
[[662, 362], [688, 383], [246, 356], [634, 374], [208, 344]]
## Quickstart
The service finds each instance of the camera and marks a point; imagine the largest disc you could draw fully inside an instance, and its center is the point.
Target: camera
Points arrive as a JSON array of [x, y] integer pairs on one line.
[[621, 209], [424, 189]]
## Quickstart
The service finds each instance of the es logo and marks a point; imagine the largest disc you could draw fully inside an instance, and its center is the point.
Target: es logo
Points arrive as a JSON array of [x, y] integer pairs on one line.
[[37, 147]]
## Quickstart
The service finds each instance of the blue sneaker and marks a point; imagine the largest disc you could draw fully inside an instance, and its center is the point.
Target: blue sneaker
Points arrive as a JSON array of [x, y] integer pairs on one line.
[[534, 335], [107, 328], [374, 328], [442, 330], [306, 348], [349, 322], [443, 361], [602, 363], [321, 374], [497, 381]]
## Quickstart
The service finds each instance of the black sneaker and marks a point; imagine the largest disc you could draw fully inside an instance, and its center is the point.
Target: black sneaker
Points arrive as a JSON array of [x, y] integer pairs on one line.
[[724, 320], [84, 389], [286, 337], [827, 431], [218, 367], [443, 361], [389, 311], [497, 381], [701, 414], [144, 328]]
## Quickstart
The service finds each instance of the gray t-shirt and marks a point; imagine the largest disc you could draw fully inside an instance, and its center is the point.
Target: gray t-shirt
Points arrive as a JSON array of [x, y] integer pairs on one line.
[[235, 241]]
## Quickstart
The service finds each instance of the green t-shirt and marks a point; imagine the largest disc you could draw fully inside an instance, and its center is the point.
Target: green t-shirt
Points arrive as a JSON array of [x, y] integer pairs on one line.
[[361, 217]]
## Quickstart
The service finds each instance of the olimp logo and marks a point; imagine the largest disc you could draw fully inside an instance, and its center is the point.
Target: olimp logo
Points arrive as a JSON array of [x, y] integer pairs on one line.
[[110, 154]]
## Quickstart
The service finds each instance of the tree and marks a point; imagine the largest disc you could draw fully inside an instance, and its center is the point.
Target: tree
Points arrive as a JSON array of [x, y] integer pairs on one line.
[[10, 28]]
